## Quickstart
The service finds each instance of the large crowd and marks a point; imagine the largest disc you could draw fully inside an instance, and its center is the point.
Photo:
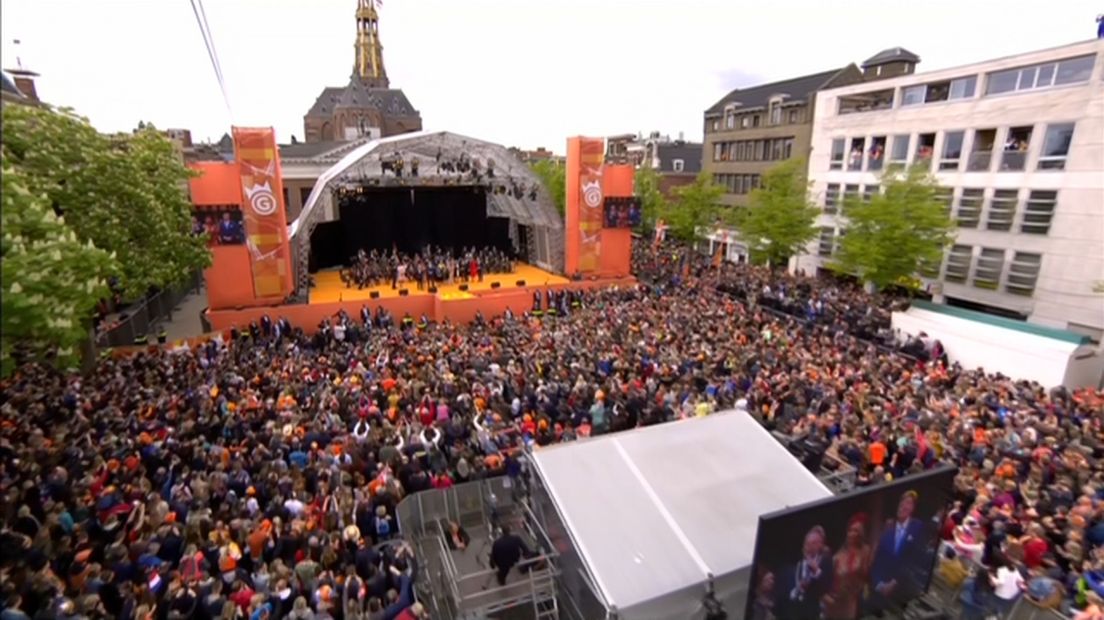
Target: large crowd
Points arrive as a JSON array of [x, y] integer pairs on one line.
[[432, 266], [256, 475]]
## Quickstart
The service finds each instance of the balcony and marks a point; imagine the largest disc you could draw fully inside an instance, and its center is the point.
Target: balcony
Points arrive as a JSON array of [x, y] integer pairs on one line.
[[979, 161], [1013, 160]]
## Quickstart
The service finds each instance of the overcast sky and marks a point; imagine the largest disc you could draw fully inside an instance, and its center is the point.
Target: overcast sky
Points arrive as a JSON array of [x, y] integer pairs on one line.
[[519, 72]]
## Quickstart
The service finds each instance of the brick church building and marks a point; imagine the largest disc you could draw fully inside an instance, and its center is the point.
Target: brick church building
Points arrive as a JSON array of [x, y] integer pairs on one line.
[[366, 107]]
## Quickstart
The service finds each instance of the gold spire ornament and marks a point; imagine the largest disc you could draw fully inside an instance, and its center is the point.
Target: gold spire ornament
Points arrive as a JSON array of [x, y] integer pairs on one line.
[[369, 52]]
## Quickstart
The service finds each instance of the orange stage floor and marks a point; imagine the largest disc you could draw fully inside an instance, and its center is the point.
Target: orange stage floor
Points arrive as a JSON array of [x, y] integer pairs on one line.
[[328, 287]]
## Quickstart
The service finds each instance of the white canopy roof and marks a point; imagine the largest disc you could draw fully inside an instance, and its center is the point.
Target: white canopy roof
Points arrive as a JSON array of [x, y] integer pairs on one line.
[[657, 509]]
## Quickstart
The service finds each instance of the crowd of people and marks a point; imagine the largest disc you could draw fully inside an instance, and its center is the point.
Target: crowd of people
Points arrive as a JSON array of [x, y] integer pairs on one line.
[[432, 266], [257, 475]]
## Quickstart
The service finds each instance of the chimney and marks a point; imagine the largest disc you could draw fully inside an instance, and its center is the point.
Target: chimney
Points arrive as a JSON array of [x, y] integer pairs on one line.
[[24, 81]]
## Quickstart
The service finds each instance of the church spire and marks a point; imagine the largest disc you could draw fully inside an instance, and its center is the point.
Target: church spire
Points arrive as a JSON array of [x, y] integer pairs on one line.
[[369, 52]]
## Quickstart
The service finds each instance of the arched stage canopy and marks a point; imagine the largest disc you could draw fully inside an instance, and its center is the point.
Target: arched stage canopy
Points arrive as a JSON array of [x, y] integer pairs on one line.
[[368, 164]]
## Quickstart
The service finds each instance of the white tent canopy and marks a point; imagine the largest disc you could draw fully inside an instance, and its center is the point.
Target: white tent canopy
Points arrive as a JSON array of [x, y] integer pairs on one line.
[[653, 512]]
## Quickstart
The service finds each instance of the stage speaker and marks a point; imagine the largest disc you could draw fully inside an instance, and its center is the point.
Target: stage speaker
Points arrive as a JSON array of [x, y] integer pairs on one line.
[[432, 290], [403, 292], [374, 294], [495, 285], [463, 287], [521, 282]]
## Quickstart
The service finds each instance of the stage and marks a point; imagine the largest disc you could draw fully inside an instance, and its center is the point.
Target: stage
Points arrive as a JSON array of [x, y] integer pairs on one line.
[[328, 287]]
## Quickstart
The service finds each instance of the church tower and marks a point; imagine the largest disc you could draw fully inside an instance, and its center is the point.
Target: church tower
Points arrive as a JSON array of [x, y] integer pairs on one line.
[[369, 52], [366, 107]]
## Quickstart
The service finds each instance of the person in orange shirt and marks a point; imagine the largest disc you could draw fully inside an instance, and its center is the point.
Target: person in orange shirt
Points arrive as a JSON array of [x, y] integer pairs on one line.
[[877, 453]]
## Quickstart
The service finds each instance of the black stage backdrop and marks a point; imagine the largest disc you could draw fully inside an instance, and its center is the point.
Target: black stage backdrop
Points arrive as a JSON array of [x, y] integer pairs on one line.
[[407, 219], [850, 555]]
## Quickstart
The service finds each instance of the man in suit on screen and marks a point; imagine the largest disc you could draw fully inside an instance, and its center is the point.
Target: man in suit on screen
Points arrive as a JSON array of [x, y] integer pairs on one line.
[[898, 560], [805, 582]]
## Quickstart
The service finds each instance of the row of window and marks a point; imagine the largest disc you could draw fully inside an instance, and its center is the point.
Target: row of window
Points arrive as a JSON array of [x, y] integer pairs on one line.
[[1012, 154], [970, 210], [989, 265], [737, 183], [1043, 75], [1020, 274], [772, 149], [775, 115]]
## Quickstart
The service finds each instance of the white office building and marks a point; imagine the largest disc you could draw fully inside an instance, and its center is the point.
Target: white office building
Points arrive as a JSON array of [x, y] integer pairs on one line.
[[1017, 146]]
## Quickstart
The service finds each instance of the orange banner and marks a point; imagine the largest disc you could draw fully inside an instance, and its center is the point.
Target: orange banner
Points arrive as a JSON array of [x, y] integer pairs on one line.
[[591, 199], [263, 211]]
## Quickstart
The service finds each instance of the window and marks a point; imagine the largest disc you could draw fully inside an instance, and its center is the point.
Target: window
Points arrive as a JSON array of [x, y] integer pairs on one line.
[[1056, 146], [827, 241], [850, 193], [1014, 157], [969, 207], [836, 162], [740, 188], [1002, 209], [952, 150], [1069, 71], [982, 154], [855, 158], [1022, 273], [876, 154], [865, 102], [963, 88], [929, 268], [987, 272], [899, 154], [913, 95], [925, 147], [1039, 211], [938, 91], [958, 263], [304, 195], [287, 202], [745, 122], [776, 113], [787, 148], [868, 192], [715, 125], [678, 165], [831, 198], [945, 197], [794, 116], [730, 121], [755, 121]]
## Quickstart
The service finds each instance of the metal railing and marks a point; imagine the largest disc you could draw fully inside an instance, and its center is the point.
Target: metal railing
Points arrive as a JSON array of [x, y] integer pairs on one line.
[[1013, 160], [130, 323], [979, 161]]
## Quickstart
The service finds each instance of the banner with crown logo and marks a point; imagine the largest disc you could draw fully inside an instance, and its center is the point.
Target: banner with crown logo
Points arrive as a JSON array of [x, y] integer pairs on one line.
[[591, 156], [263, 213]]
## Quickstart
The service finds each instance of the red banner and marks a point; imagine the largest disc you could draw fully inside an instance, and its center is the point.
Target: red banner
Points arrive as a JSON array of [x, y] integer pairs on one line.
[[266, 233]]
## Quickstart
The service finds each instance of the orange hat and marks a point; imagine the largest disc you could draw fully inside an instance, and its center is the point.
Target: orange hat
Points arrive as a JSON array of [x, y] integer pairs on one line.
[[170, 518], [251, 491]]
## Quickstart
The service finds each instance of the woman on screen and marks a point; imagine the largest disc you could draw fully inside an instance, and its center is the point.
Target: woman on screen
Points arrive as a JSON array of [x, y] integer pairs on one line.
[[851, 568]]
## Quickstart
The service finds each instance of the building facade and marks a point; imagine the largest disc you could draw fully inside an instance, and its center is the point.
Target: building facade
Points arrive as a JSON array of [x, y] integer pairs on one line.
[[366, 107], [1016, 145], [751, 129], [677, 161]]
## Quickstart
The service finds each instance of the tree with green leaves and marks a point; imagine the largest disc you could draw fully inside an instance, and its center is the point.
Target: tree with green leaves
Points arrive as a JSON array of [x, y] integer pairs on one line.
[[652, 201], [780, 220], [696, 205], [894, 233], [51, 280], [126, 193], [553, 175]]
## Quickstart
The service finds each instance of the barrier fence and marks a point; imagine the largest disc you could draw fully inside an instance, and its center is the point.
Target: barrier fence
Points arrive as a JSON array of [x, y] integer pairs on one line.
[[136, 321]]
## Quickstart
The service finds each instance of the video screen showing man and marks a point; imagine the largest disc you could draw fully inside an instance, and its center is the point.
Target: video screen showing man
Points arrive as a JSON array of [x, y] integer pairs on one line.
[[230, 230], [634, 213], [801, 586], [899, 556]]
